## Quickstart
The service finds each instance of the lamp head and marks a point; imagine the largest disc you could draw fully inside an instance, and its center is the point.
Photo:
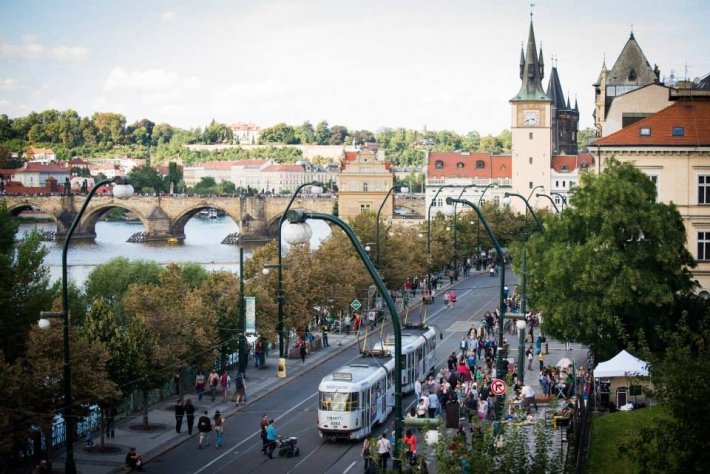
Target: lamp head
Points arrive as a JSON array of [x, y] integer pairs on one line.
[[122, 189], [506, 199], [265, 271], [403, 189], [520, 324], [44, 323], [316, 188], [296, 233]]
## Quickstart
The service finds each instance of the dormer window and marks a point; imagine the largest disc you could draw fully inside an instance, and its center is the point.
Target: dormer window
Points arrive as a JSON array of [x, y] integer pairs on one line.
[[439, 164], [459, 165], [564, 169], [645, 131], [632, 75], [480, 164], [678, 131], [584, 166]]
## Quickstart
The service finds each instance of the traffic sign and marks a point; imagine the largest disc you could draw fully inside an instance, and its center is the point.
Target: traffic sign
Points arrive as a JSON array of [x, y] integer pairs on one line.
[[498, 387], [356, 305]]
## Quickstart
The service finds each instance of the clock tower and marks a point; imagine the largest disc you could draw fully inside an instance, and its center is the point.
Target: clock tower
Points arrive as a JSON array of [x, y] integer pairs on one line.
[[531, 126]]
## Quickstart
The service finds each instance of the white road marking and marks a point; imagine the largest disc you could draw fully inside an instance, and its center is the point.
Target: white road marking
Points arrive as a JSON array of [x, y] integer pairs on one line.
[[349, 467]]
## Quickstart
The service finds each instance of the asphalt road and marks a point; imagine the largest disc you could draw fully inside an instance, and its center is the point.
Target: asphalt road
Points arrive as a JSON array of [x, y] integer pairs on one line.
[[293, 406]]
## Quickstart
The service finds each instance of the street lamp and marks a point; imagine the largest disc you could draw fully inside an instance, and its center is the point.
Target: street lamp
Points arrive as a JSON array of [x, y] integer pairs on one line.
[[122, 190], [524, 296], [428, 228], [564, 199], [295, 235], [539, 195], [520, 324], [300, 216], [403, 189], [478, 227], [501, 304]]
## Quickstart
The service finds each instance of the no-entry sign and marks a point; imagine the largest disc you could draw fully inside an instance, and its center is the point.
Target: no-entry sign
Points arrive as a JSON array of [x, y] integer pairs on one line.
[[498, 387]]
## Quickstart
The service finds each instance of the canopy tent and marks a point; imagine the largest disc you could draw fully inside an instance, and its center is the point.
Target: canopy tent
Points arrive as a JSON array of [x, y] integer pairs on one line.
[[623, 364]]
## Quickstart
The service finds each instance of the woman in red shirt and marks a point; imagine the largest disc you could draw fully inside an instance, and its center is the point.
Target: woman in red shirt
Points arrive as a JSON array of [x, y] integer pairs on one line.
[[411, 441]]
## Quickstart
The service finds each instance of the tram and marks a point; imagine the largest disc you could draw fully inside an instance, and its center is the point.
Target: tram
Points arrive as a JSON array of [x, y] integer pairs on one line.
[[355, 397], [418, 353], [358, 396]]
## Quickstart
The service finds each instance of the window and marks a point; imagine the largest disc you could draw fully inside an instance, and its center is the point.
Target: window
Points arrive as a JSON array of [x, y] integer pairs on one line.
[[530, 136], [496, 200], [459, 165], [439, 164], [704, 189], [439, 202], [678, 131], [530, 185], [564, 183], [564, 169], [703, 245], [364, 207], [364, 186], [645, 131], [480, 164], [584, 166], [530, 160]]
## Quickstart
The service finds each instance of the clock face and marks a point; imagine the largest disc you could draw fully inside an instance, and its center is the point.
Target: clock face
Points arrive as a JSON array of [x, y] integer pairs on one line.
[[530, 117]]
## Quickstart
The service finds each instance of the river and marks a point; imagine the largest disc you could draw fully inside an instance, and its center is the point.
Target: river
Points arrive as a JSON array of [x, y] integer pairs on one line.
[[202, 245]]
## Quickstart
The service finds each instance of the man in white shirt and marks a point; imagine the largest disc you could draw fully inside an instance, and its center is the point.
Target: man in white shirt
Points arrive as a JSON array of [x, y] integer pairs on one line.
[[528, 397], [418, 388]]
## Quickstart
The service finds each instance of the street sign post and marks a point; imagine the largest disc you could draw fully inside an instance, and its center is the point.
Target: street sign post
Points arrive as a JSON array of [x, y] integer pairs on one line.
[[356, 305]]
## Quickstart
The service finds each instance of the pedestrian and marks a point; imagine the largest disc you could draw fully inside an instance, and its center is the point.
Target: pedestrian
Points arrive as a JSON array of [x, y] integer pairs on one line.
[[271, 438], [224, 381], [110, 422], [302, 351], [568, 346], [446, 299], [89, 439], [218, 425], [258, 354], [452, 300], [541, 358], [324, 331], [240, 390], [383, 449], [190, 415], [204, 427], [463, 346], [529, 356], [200, 384], [179, 414], [433, 404], [418, 388], [262, 428], [482, 410], [134, 459], [348, 322], [212, 382], [411, 442], [367, 455]]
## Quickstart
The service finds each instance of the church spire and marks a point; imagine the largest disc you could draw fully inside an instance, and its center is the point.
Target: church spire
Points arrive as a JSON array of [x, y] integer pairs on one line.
[[532, 73]]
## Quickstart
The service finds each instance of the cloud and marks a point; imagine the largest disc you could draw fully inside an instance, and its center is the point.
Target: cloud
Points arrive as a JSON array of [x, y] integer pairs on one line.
[[31, 49], [151, 80], [169, 17], [11, 84]]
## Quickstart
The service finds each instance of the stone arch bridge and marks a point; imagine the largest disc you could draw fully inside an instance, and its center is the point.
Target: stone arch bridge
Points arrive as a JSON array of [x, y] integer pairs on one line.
[[164, 217]]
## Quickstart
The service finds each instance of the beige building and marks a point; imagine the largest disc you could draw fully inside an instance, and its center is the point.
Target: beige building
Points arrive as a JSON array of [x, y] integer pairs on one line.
[[673, 148], [245, 133], [365, 179]]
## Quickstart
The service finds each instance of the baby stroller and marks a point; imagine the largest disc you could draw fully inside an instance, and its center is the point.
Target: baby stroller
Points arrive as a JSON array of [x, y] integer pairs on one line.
[[287, 447]]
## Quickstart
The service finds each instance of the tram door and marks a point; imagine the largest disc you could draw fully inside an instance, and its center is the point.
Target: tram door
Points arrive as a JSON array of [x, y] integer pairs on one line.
[[410, 378], [366, 420]]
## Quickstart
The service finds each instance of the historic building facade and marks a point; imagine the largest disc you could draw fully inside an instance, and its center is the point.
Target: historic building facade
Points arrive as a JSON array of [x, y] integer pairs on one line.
[[364, 180]]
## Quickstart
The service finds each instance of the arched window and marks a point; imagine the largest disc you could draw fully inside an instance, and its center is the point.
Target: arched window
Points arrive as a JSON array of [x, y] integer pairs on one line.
[[439, 164], [480, 164], [584, 166], [459, 165]]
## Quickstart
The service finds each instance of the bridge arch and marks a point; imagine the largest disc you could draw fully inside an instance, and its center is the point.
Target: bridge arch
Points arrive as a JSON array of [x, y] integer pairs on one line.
[[16, 209], [177, 229], [272, 225], [87, 226]]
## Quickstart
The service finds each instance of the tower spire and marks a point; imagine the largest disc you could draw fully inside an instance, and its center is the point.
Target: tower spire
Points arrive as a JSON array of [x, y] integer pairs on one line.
[[532, 73]]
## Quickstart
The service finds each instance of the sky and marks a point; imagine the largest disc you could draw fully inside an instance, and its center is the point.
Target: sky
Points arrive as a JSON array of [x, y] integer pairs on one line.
[[366, 64]]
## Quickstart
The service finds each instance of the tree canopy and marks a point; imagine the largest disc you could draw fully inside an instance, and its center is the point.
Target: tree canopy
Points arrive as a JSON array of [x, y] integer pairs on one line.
[[607, 269]]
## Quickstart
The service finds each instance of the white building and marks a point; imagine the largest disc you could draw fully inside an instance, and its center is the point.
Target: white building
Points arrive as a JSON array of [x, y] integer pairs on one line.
[[245, 133]]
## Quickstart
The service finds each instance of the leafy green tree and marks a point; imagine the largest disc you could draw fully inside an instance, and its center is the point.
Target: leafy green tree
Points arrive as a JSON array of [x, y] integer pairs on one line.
[[279, 133], [338, 134], [24, 285], [606, 272], [306, 133], [162, 134], [207, 185], [110, 281], [110, 127], [174, 174], [322, 133], [146, 177], [217, 133], [363, 136], [583, 137]]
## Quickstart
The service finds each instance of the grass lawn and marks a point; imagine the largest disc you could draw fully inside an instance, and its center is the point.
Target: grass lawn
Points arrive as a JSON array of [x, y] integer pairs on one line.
[[611, 429]]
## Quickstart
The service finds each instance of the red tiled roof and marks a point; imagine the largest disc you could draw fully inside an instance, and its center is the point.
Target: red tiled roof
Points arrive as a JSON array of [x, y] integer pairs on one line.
[[296, 168], [42, 168], [78, 161], [693, 116], [572, 161], [450, 165], [32, 151], [244, 126]]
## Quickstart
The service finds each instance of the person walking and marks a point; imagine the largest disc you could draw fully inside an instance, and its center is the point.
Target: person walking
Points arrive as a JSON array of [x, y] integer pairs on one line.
[[541, 358], [302, 351], [189, 415], [383, 449], [411, 442], [367, 455], [324, 331], [179, 414], [529, 356], [224, 384], [263, 424], [240, 390], [218, 425], [200, 381], [452, 300], [271, 439], [446, 299], [212, 382], [204, 427]]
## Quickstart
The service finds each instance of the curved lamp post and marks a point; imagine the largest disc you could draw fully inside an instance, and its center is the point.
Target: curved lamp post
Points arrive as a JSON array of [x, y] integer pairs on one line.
[[539, 195], [122, 190], [501, 303], [298, 216], [564, 199], [295, 235], [403, 189], [524, 296], [478, 226]]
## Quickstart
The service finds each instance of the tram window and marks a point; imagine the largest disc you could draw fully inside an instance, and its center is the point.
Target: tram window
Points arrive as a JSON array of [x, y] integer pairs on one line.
[[334, 401]]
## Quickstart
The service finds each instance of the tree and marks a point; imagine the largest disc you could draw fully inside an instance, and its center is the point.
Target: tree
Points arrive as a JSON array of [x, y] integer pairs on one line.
[[174, 174], [583, 138], [306, 134], [146, 177], [606, 272], [110, 127], [217, 133], [322, 133], [207, 185], [162, 134], [24, 285], [338, 134], [110, 281], [279, 133], [226, 187]]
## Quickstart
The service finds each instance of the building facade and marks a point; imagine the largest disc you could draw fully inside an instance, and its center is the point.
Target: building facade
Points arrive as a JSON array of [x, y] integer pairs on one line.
[[364, 180]]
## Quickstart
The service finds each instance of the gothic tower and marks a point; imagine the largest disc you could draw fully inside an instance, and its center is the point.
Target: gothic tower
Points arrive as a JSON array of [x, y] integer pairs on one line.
[[531, 125], [565, 119]]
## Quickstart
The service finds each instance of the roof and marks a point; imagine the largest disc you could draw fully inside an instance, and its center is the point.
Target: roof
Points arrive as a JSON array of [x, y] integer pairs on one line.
[[32, 151], [570, 163], [631, 67], [531, 72], [42, 168], [244, 126], [623, 364], [78, 161], [451, 168], [554, 90], [692, 116], [275, 168]]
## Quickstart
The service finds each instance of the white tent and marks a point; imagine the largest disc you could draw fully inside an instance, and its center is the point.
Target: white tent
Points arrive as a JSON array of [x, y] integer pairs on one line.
[[622, 365]]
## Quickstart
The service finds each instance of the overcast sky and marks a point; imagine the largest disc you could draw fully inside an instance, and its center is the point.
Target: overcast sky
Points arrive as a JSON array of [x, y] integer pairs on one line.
[[365, 64]]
